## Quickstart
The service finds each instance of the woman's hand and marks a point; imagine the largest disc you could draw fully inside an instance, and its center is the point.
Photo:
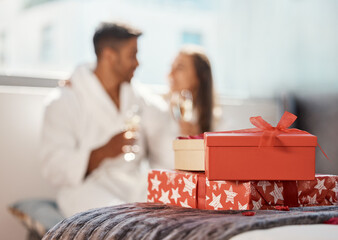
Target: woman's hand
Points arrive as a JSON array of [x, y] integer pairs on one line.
[[188, 128]]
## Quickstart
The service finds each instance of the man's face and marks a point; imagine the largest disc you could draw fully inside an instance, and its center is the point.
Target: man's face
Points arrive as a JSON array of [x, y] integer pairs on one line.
[[126, 61]]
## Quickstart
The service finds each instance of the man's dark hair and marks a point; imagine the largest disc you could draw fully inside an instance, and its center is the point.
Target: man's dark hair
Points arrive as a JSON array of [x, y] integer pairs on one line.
[[112, 34]]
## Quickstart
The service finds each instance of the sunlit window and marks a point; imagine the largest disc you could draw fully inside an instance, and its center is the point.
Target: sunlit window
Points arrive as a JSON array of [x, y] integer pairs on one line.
[[32, 3], [256, 48], [47, 48], [191, 38]]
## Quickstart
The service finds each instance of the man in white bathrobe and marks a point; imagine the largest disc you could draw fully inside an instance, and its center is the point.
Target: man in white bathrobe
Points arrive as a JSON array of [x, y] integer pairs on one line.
[[84, 128]]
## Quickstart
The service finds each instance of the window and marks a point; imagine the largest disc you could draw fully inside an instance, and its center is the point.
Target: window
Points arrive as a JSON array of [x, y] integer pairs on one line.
[[32, 3], [256, 49], [191, 38], [47, 47]]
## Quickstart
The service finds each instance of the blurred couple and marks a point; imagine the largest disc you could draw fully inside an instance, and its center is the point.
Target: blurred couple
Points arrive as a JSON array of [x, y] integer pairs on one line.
[[101, 133]]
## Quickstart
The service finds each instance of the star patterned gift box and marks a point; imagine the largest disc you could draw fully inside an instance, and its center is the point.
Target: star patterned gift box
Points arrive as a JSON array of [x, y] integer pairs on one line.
[[173, 187], [194, 190]]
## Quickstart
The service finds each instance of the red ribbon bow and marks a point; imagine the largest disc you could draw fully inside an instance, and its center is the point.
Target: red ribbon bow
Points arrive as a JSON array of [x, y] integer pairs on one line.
[[270, 132]]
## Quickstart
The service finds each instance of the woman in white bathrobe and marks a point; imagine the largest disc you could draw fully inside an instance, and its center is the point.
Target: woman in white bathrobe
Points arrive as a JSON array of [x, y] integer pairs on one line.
[[191, 73]]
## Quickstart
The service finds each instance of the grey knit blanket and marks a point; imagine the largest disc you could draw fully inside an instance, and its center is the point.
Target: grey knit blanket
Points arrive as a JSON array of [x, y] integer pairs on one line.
[[157, 221]]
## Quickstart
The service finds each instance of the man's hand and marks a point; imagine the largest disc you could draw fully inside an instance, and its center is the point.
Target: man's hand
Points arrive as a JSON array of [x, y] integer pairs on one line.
[[114, 146], [111, 149]]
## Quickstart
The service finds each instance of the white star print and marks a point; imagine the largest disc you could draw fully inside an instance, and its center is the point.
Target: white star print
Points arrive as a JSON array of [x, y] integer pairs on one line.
[[185, 204], [306, 184], [277, 193], [207, 198], [312, 200], [214, 187], [253, 190], [207, 182], [230, 195], [155, 183], [151, 200], [171, 178], [330, 180], [304, 199], [247, 188], [335, 189], [188, 185], [244, 207], [257, 204], [220, 184], [164, 197], [264, 184], [180, 181], [216, 201], [320, 185], [331, 200], [175, 194]]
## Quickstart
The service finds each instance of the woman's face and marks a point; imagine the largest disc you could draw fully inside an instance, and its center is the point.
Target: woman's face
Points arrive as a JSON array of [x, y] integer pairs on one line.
[[183, 75]]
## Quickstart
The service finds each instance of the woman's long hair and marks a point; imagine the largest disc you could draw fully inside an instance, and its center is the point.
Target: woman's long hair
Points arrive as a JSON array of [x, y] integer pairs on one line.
[[203, 100]]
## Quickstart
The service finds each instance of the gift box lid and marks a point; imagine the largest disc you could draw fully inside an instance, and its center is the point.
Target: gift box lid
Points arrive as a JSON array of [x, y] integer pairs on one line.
[[188, 144], [254, 139]]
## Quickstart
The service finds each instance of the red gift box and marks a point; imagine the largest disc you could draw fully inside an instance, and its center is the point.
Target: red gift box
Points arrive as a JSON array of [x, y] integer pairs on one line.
[[245, 195], [190, 189], [262, 153], [173, 187]]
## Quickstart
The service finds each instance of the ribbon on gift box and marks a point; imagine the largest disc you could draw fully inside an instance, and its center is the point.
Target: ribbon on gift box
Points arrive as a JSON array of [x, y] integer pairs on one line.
[[269, 133], [200, 136], [201, 191], [290, 193]]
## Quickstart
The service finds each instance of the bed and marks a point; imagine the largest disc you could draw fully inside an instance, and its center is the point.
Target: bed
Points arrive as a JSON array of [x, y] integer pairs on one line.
[[158, 221]]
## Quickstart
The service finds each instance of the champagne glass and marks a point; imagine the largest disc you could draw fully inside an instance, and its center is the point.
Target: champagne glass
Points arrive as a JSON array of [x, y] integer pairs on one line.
[[132, 124], [182, 105]]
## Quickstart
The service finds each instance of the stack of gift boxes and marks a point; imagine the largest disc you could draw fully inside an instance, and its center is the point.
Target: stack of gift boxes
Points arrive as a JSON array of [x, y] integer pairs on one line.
[[259, 168]]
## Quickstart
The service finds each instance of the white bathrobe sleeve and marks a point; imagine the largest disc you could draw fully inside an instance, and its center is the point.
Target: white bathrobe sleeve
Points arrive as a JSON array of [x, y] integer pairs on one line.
[[160, 132], [64, 161]]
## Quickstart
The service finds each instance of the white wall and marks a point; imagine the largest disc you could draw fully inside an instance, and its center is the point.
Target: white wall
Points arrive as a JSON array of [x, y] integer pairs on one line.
[[236, 113], [20, 120]]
